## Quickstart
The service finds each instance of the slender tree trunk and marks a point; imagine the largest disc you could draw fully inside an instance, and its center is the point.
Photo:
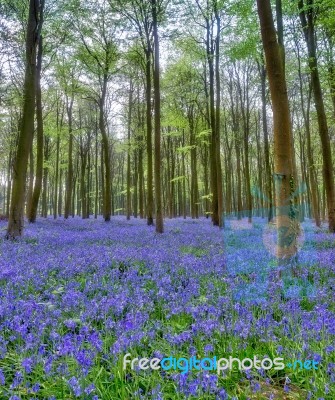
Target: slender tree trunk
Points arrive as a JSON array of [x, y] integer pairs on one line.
[[141, 180], [206, 179], [135, 184], [259, 165], [150, 197], [303, 173], [45, 180], [234, 109], [102, 179], [140, 116], [9, 180], [305, 109], [228, 173], [247, 166], [83, 186], [73, 209], [130, 105], [184, 179], [266, 145], [245, 111], [193, 155], [169, 174], [107, 192], [213, 152], [16, 215], [96, 175], [157, 105], [57, 174], [239, 180], [50, 199], [31, 181], [40, 138], [69, 183], [60, 192], [172, 183], [331, 69], [218, 120], [89, 181]]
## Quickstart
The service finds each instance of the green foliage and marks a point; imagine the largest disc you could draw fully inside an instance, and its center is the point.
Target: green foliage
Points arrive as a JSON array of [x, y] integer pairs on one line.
[[243, 32], [185, 149], [178, 178]]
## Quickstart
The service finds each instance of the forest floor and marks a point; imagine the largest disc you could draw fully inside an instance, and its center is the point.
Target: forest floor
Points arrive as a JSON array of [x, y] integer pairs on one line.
[[77, 295]]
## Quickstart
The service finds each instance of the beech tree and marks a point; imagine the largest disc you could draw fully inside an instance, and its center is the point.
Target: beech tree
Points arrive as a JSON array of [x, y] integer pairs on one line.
[[33, 33], [40, 136], [157, 110], [283, 157]]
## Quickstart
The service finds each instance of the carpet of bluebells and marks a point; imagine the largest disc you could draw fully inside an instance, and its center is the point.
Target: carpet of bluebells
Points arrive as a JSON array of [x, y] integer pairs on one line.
[[76, 295]]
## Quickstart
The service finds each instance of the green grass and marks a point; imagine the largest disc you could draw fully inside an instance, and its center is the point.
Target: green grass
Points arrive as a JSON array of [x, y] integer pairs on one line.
[[196, 251]]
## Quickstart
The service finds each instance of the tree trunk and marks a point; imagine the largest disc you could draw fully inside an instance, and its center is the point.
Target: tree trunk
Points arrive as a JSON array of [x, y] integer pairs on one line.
[[285, 215], [157, 105], [193, 154], [69, 183], [312, 176], [9, 179], [213, 152], [60, 191], [57, 172], [96, 175], [31, 181], [107, 192], [45, 179], [218, 120], [16, 215], [150, 197], [135, 184], [130, 105], [40, 138], [266, 145], [245, 111], [83, 186], [141, 179]]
